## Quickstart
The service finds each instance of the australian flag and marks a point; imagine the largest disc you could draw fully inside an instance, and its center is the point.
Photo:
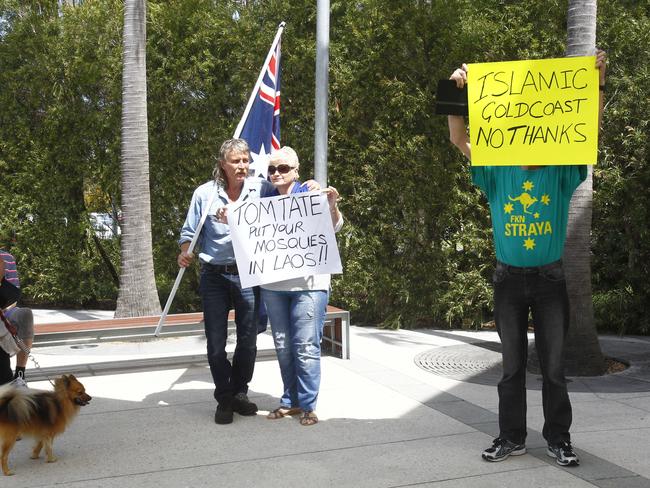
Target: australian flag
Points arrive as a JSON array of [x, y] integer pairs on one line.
[[260, 125]]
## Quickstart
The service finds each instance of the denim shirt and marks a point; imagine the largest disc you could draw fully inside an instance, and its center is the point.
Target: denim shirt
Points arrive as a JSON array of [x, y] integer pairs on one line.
[[214, 241]]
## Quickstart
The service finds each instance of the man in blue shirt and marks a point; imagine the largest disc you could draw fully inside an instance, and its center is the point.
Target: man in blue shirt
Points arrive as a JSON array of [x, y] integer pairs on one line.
[[529, 208]]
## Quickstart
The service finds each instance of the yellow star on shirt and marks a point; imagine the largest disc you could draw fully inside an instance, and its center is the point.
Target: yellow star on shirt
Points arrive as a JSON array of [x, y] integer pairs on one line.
[[536, 215], [529, 244], [546, 199], [508, 208], [528, 185]]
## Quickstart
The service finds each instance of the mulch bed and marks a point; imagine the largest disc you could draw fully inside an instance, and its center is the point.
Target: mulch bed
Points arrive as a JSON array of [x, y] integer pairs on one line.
[[615, 366]]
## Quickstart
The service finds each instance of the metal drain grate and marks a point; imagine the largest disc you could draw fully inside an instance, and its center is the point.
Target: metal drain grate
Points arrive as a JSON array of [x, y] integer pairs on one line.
[[480, 363], [475, 363]]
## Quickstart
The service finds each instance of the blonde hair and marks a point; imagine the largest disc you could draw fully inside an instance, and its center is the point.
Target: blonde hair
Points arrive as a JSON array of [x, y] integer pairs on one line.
[[285, 155]]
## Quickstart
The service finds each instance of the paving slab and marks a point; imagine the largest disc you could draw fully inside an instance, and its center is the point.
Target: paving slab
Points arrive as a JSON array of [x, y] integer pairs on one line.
[[626, 448]]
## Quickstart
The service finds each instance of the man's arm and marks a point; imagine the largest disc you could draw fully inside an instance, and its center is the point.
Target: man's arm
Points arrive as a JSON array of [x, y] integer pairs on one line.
[[312, 185], [458, 134], [185, 258], [2, 268], [194, 214], [602, 66], [457, 131]]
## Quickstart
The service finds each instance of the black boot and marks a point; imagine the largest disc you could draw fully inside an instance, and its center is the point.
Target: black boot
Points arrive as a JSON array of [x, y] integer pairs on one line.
[[223, 415], [242, 405]]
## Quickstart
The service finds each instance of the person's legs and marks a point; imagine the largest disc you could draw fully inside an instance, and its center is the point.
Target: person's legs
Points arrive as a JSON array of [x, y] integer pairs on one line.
[[215, 295], [511, 318], [5, 368], [246, 306], [307, 318], [278, 305], [551, 319], [23, 319]]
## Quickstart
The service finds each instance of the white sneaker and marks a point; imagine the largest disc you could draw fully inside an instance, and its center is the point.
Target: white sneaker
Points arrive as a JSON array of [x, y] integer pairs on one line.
[[501, 449], [19, 382], [563, 454]]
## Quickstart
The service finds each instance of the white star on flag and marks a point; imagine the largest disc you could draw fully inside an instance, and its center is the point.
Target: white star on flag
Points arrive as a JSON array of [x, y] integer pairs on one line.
[[259, 165]]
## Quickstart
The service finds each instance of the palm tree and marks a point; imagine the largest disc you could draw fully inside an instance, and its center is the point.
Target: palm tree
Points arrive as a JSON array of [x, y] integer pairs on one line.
[[138, 295], [583, 354]]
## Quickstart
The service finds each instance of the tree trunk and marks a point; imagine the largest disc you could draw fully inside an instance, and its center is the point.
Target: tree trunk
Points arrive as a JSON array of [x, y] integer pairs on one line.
[[583, 356], [138, 295]]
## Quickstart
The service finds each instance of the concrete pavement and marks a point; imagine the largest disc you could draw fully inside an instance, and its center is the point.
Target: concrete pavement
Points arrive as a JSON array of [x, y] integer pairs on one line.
[[385, 422]]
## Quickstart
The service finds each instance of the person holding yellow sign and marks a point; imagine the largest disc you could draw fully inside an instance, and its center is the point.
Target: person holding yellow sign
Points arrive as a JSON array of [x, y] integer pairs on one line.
[[529, 205]]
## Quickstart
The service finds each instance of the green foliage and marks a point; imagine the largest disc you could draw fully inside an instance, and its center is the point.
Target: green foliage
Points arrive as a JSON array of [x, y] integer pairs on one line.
[[621, 239], [56, 128], [417, 244]]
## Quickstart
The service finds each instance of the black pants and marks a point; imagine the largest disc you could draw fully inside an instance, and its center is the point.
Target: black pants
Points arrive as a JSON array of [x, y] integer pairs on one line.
[[6, 375], [543, 292], [219, 293]]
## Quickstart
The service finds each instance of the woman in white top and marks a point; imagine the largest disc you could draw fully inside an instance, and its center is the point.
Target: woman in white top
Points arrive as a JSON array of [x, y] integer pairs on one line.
[[296, 309]]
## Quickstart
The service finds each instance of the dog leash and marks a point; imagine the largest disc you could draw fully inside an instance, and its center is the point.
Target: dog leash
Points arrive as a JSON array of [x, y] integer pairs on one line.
[[23, 347], [26, 350]]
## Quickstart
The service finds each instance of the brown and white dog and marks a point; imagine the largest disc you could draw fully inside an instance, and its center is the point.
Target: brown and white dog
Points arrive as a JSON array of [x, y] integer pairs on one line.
[[39, 414]]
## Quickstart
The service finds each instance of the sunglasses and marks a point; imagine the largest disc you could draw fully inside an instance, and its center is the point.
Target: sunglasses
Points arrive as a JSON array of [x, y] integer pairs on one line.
[[281, 168]]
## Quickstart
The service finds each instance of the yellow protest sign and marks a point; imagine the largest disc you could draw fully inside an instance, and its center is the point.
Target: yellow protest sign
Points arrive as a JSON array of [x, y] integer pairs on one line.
[[542, 112]]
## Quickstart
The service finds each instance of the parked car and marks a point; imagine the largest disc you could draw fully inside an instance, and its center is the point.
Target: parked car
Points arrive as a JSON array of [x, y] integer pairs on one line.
[[104, 225]]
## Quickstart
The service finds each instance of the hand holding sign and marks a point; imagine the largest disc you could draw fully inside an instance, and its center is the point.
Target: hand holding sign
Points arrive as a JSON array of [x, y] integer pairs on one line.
[[451, 94], [332, 197], [222, 215], [601, 65], [460, 76]]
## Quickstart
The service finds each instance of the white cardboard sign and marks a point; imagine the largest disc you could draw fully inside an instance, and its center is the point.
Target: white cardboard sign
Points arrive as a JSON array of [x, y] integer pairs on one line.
[[283, 237]]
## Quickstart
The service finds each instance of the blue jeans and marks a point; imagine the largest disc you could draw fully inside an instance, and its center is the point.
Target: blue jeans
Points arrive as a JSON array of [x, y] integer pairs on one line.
[[219, 293], [541, 290], [297, 319]]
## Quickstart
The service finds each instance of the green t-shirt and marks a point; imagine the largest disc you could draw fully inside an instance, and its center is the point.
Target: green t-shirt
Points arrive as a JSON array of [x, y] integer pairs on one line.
[[529, 210]]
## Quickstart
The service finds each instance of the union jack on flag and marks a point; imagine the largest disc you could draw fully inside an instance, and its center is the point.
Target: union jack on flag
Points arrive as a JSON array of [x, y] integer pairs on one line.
[[260, 125]]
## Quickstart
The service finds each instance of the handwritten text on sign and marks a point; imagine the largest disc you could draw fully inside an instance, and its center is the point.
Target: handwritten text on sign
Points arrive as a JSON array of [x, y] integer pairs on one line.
[[534, 112], [283, 237]]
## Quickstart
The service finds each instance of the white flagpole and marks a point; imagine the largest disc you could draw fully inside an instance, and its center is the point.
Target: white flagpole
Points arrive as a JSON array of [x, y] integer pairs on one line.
[[238, 130], [251, 99], [181, 271], [322, 80]]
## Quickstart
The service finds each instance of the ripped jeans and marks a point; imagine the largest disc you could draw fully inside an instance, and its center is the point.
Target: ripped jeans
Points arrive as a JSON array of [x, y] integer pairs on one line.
[[297, 319]]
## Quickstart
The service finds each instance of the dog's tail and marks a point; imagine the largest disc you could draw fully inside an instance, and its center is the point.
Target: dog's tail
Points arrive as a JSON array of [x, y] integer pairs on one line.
[[17, 405]]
